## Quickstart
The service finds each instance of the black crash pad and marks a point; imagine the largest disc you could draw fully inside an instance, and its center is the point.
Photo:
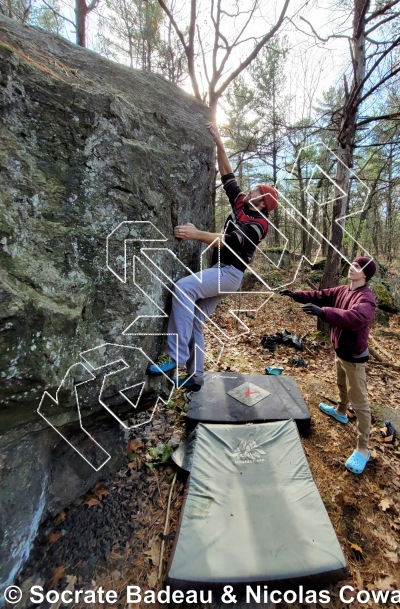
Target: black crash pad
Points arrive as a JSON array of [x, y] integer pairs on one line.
[[253, 514], [244, 398]]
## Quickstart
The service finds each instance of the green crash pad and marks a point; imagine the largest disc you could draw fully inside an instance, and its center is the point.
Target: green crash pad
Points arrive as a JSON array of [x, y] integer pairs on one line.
[[252, 513]]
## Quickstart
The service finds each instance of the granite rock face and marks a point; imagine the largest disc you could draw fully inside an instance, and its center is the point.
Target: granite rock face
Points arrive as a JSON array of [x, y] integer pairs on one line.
[[87, 149]]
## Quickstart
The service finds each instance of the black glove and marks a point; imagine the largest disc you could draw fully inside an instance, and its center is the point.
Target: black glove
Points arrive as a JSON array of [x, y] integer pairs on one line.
[[289, 293], [312, 309]]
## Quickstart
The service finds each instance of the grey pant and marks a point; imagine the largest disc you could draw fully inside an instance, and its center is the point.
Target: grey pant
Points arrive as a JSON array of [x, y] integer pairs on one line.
[[195, 299]]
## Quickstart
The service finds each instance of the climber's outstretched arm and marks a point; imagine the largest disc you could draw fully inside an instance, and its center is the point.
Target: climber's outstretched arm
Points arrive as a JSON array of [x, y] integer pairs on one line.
[[224, 165], [189, 231]]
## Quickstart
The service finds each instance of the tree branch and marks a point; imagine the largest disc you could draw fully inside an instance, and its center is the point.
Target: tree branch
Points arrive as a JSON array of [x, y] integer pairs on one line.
[[92, 5], [362, 20], [381, 11], [230, 47], [27, 10], [190, 50], [371, 119], [368, 74], [320, 37], [188, 47], [59, 14], [379, 42], [389, 18], [203, 56], [216, 23], [173, 22], [254, 53], [378, 84]]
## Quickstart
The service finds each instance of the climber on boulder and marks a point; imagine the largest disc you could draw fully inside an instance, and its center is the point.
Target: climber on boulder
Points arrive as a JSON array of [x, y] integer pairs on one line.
[[196, 296]]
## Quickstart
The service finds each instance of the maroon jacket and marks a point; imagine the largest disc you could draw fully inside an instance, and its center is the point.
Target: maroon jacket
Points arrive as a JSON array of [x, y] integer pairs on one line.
[[349, 313]]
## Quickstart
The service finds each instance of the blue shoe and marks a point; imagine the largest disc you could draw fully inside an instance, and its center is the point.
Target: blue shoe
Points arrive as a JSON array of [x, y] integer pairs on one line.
[[274, 370], [183, 382], [356, 462], [164, 363], [330, 411]]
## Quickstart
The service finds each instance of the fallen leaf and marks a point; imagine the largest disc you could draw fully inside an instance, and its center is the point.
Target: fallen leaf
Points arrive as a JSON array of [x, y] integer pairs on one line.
[[91, 502], [358, 580], [386, 583], [395, 524], [102, 493], [385, 504], [343, 499], [60, 518], [357, 548], [55, 537], [58, 573], [134, 445], [154, 554], [152, 579], [392, 556]]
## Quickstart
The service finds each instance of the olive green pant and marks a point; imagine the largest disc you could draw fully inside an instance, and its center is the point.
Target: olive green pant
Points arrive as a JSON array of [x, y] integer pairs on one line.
[[352, 385]]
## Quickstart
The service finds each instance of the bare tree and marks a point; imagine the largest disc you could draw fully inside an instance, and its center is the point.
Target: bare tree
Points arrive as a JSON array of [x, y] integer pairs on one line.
[[82, 9], [17, 9], [81, 12], [372, 45], [269, 76], [133, 29], [172, 60], [225, 39], [28, 12]]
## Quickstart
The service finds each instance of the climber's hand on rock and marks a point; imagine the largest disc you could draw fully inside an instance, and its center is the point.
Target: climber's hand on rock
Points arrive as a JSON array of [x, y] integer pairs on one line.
[[186, 231], [212, 127]]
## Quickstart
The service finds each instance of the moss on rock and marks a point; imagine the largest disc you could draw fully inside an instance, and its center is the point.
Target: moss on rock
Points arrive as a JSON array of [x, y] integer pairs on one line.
[[384, 298]]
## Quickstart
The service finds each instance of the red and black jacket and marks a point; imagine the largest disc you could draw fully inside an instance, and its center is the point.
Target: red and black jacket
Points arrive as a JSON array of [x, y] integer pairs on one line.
[[243, 230]]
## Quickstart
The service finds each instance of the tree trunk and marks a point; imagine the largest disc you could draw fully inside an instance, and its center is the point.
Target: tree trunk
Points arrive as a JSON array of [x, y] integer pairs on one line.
[[240, 169], [325, 227], [314, 218], [303, 207], [346, 145], [389, 209], [275, 177], [275, 158], [364, 213], [375, 232], [81, 12], [8, 9], [213, 105], [130, 43]]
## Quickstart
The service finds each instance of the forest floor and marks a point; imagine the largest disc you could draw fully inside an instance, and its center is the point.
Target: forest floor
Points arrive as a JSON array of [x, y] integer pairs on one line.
[[111, 537]]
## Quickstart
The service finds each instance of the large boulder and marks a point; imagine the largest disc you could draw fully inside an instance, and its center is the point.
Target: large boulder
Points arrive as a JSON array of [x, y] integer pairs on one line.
[[87, 147]]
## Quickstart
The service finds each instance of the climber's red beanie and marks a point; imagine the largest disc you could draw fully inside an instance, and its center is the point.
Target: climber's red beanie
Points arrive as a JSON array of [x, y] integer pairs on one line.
[[271, 197]]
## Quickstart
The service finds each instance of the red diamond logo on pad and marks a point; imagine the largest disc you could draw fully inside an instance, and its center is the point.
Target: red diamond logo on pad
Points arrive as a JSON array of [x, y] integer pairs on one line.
[[248, 394]]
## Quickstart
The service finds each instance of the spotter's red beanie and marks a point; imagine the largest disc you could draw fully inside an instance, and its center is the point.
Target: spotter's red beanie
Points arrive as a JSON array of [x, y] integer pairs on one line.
[[271, 197]]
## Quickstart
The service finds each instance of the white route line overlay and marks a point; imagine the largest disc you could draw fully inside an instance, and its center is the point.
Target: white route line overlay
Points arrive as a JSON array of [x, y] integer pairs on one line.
[[56, 401], [291, 210], [341, 220], [87, 368]]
